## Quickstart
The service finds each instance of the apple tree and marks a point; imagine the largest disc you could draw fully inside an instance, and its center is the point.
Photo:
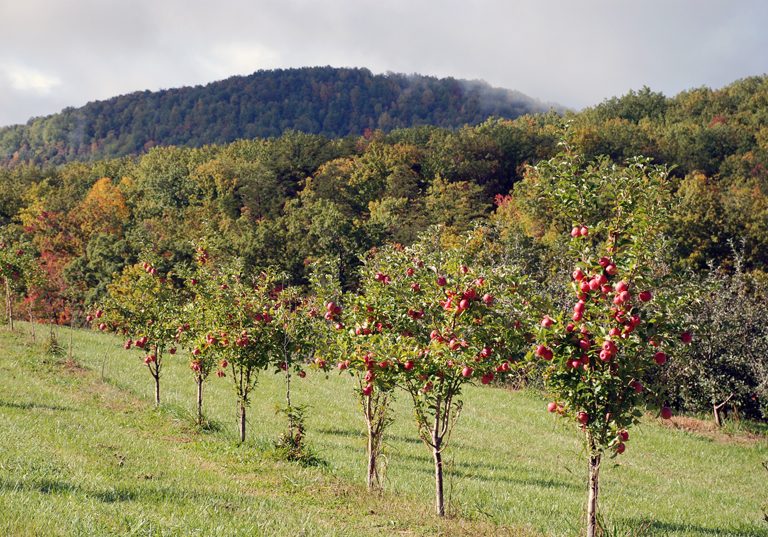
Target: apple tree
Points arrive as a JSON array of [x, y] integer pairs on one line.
[[295, 316], [597, 356], [238, 330], [194, 321], [17, 268], [146, 306], [439, 324], [347, 338], [360, 344]]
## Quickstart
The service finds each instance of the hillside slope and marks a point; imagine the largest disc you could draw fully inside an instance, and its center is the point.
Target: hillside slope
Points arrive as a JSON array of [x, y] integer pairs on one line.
[[84, 456], [319, 100]]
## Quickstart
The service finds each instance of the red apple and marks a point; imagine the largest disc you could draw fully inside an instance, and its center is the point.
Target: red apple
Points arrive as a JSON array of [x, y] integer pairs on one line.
[[666, 412], [583, 231], [623, 435], [408, 365], [488, 299], [645, 296], [686, 337], [620, 448], [583, 418], [660, 358], [575, 231], [544, 352], [551, 407], [441, 281]]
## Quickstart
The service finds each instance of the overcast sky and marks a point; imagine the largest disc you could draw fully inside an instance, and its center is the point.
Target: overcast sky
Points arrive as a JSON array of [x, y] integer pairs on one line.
[[57, 53]]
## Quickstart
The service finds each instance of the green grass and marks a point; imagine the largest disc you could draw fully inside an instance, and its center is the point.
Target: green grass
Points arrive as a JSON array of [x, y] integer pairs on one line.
[[82, 452]]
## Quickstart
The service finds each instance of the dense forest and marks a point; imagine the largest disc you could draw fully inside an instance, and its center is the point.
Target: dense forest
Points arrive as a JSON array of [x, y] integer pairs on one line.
[[321, 100], [298, 198]]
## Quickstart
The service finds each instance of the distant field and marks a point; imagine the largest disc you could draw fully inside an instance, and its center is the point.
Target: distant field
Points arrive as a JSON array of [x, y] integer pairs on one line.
[[84, 456]]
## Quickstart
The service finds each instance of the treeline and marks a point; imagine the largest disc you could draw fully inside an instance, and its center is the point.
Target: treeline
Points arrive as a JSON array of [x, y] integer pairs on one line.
[[300, 198], [321, 100]]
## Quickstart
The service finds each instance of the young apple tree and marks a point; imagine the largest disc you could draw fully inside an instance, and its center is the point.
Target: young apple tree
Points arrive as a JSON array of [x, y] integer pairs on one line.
[[439, 325], [146, 307], [599, 356], [193, 322], [296, 315], [360, 345], [17, 268], [238, 331]]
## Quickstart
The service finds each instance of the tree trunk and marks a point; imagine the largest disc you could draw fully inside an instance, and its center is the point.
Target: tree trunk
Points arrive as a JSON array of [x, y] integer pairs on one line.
[[372, 477], [439, 498], [199, 400], [242, 422], [157, 378], [9, 303], [71, 331], [32, 324], [716, 412], [373, 474], [594, 471]]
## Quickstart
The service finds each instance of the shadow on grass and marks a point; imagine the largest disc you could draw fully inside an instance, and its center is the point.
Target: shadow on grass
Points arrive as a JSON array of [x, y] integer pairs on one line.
[[658, 527], [423, 464], [144, 492], [352, 433], [33, 406]]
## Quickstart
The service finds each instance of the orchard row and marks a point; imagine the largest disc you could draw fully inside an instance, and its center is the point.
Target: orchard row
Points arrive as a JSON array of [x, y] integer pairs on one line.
[[427, 319]]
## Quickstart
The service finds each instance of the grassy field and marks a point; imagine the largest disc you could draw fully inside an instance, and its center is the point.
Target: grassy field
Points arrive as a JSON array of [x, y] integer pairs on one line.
[[82, 452]]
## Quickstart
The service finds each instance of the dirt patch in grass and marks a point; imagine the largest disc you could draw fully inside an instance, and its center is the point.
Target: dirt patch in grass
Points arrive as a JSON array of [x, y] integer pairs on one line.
[[71, 366], [710, 430]]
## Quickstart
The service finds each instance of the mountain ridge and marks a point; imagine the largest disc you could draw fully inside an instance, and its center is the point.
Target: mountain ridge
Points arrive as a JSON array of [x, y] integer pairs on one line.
[[334, 102]]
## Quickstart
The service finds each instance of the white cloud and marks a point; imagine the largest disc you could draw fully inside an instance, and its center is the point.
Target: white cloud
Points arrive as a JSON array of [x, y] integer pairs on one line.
[[23, 78], [573, 53], [226, 59]]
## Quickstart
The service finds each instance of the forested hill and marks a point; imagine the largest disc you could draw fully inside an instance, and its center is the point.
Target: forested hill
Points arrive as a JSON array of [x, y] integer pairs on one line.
[[319, 100]]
